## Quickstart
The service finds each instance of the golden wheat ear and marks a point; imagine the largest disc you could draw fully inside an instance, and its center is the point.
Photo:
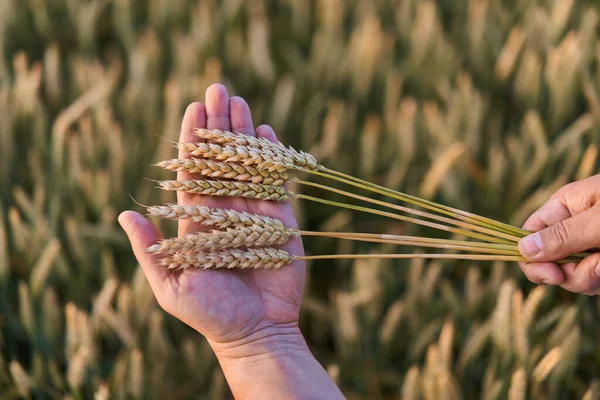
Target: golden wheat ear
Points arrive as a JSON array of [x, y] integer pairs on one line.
[[277, 150], [228, 188], [240, 237], [226, 170], [219, 217], [263, 258]]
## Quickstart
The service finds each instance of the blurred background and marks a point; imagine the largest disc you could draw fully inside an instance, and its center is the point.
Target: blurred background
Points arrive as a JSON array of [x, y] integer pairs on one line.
[[485, 105]]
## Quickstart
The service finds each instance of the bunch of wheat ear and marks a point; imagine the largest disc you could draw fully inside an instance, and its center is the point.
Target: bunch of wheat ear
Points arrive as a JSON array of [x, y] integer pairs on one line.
[[238, 165]]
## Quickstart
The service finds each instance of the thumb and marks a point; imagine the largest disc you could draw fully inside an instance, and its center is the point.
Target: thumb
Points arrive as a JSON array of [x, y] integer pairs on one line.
[[578, 233], [142, 234]]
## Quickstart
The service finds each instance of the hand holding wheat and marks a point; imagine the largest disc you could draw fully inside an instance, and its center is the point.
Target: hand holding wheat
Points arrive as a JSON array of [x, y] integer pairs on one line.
[[225, 306], [568, 222], [250, 316]]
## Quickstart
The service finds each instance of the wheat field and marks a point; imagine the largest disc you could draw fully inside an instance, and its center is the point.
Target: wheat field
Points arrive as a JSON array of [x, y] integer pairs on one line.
[[484, 105]]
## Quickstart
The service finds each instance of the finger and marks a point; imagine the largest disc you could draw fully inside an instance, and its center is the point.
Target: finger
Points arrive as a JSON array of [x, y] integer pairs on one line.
[[240, 116], [581, 195], [265, 131], [216, 112], [142, 234], [563, 238], [550, 213], [194, 118], [543, 273], [217, 108], [583, 277]]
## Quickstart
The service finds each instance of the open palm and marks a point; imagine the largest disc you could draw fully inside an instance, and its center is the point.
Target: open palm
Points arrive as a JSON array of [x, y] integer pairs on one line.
[[224, 305]]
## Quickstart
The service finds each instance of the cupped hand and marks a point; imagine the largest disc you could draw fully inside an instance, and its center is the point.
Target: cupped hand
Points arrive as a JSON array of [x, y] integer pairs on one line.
[[229, 307], [568, 223]]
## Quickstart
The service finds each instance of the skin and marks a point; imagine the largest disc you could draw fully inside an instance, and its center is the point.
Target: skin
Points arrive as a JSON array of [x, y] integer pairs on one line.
[[568, 223], [250, 318]]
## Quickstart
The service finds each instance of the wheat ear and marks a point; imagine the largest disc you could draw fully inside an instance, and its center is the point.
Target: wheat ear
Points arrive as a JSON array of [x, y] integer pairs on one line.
[[228, 188], [219, 217], [248, 236], [299, 158], [227, 170], [264, 258], [262, 158]]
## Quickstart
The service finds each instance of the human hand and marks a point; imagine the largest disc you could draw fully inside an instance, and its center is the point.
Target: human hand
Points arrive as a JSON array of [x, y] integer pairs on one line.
[[231, 308], [568, 223]]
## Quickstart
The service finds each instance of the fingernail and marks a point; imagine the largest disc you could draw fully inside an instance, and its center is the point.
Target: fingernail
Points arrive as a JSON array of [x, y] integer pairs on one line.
[[598, 270], [532, 244]]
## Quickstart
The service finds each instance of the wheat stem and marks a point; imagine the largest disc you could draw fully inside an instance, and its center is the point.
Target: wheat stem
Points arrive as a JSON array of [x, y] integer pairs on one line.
[[416, 241], [434, 225], [417, 201], [466, 225], [235, 147], [475, 257]]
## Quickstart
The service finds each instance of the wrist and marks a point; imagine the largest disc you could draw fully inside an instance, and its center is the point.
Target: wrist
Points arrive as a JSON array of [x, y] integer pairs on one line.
[[270, 342], [274, 363]]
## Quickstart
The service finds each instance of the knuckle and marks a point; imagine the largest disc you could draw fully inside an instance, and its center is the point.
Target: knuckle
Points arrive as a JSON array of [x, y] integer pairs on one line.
[[557, 236]]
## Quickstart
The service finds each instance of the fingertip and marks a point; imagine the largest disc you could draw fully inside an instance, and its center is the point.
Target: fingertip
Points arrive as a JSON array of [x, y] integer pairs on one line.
[[140, 231], [241, 116], [142, 234], [122, 217], [217, 91], [583, 277], [193, 118], [543, 273], [217, 107], [266, 132], [533, 224]]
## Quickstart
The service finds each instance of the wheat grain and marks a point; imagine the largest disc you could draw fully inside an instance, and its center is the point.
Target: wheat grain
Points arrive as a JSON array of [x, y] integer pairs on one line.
[[569, 350], [430, 373], [546, 365], [531, 305], [518, 385], [230, 138], [262, 158], [446, 385], [265, 258], [247, 236], [228, 188], [391, 320], [218, 217], [226, 138], [23, 381], [474, 345], [411, 386], [501, 321], [227, 170], [445, 343], [519, 330]]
